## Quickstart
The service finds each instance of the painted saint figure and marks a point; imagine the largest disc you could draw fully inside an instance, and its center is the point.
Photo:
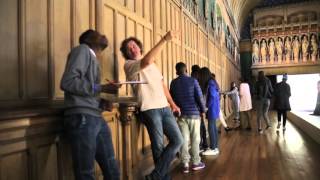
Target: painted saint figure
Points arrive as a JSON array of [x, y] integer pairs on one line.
[[255, 52], [288, 49], [271, 51], [296, 49], [305, 45], [263, 51], [279, 46]]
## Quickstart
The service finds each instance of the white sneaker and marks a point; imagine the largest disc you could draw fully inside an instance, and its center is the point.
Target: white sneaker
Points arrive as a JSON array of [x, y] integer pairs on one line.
[[216, 150], [209, 152]]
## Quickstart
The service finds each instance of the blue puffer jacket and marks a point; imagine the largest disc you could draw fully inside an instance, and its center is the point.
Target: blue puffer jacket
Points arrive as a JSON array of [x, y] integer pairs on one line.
[[186, 93], [213, 101]]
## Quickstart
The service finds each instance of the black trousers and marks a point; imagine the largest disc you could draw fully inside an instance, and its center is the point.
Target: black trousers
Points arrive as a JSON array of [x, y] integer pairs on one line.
[[203, 134], [282, 113]]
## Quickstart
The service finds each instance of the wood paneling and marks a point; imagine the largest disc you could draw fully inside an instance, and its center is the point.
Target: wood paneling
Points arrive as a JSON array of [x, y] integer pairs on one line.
[[9, 51], [35, 147], [37, 49], [121, 34], [47, 165], [40, 35], [108, 59], [16, 170], [82, 18], [61, 41]]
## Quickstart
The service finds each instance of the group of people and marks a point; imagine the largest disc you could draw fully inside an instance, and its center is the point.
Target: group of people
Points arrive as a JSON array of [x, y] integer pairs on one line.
[[178, 113]]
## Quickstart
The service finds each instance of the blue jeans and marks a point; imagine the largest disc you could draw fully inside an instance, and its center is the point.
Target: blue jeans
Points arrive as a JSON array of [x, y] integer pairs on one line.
[[90, 139], [159, 122], [213, 133], [263, 109]]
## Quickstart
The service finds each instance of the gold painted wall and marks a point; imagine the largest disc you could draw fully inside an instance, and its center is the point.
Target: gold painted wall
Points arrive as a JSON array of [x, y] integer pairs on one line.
[[39, 34], [149, 21]]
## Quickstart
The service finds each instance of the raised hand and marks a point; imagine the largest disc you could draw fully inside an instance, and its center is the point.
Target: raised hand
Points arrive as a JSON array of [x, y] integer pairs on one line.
[[171, 34]]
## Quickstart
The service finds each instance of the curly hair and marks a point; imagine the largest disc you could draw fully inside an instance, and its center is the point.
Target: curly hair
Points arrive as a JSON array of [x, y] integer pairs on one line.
[[124, 46]]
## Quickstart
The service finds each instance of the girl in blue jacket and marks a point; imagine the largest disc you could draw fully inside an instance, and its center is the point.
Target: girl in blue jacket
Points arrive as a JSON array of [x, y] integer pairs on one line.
[[211, 91]]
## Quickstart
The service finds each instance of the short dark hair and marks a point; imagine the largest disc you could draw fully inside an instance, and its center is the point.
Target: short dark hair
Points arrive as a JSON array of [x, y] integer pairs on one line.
[[195, 68], [124, 46], [93, 39], [260, 75], [181, 68]]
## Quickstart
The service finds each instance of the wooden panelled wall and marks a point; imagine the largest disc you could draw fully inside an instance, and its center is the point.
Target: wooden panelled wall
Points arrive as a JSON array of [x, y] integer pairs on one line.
[[149, 21], [37, 36]]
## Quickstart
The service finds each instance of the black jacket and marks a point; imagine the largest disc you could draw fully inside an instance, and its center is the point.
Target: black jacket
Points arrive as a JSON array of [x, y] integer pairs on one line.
[[282, 94]]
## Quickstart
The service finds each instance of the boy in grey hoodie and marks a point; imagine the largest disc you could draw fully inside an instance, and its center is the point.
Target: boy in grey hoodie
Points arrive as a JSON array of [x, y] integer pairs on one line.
[[89, 134]]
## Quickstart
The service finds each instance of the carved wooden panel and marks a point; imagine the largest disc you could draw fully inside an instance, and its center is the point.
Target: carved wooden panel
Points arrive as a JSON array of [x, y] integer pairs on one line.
[[13, 166], [108, 58], [37, 49], [47, 162], [40, 35], [61, 37], [9, 51]]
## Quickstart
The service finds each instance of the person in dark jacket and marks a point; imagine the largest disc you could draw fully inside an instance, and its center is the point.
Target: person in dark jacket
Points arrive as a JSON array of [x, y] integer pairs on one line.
[[282, 93], [195, 70], [264, 92], [88, 132], [187, 94]]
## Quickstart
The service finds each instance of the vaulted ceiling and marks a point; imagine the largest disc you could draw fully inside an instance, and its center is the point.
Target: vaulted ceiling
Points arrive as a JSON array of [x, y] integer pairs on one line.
[[242, 8]]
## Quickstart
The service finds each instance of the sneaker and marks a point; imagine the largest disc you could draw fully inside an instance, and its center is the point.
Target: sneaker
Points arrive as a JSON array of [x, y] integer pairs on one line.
[[260, 131], [216, 150], [198, 166], [209, 152], [278, 126], [185, 169]]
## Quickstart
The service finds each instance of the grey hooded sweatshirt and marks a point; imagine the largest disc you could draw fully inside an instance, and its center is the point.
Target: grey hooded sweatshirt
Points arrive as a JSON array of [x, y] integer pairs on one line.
[[81, 82]]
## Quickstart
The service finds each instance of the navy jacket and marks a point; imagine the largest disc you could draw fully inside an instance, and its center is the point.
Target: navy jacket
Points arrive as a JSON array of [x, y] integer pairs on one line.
[[187, 94]]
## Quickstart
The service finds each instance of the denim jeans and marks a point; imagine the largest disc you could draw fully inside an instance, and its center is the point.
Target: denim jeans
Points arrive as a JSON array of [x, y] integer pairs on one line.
[[90, 140], [190, 129], [213, 133], [263, 108], [160, 122]]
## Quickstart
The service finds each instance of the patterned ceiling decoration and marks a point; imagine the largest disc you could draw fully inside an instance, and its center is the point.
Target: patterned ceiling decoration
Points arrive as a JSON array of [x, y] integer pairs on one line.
[[242, 8]]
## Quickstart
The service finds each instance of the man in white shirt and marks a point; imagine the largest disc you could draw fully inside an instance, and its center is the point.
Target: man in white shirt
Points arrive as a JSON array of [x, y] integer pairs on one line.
[[154, 98]]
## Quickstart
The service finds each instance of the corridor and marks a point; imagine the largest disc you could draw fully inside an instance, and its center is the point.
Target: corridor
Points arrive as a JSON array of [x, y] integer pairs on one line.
[[273, 155]]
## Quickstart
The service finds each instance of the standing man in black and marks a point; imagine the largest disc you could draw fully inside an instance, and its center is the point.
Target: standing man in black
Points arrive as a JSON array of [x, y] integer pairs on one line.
[[282, 104]]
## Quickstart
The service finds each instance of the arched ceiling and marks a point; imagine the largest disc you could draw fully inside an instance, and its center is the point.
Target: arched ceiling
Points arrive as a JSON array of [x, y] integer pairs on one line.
[[241, 8]]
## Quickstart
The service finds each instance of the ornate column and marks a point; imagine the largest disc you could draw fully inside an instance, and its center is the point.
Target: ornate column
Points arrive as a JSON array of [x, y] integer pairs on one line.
[[127, 110]]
